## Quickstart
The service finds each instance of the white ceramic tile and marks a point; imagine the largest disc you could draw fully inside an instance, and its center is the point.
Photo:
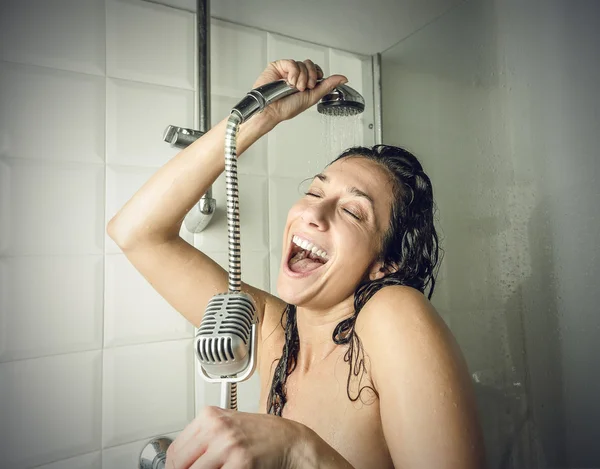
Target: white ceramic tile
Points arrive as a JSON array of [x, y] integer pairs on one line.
[[249, 394], [49, 408], [186, 235], [134, 311], [238, 57], [5, 206], [50, 305], [297, 147], [128, 456], [147, 390], [274, 263], [254, 159], [122, 182], [51, 114], [150, 43], [209, 394], [255, 266], [137, 116], [284, 192], [189, 5], [350, 65], [54, 209], [65, 34], [253, 216], [87, 461], [205, 394], [280, 47]]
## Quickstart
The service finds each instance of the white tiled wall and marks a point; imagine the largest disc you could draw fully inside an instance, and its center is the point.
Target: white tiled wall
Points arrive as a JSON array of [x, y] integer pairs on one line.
[[93, 362]]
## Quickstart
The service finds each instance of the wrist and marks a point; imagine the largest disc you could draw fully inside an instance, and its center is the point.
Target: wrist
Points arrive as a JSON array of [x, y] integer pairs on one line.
[[310, 451], [251, 131], [260, 123]]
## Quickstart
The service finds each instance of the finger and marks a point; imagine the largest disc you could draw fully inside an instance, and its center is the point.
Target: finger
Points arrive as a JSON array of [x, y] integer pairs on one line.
[[189, 432], [288, 69], [194, 428], [184, 456], [303, 77], [320, 73], [186, 453], [211, 459], [313, 74], [326, 87]]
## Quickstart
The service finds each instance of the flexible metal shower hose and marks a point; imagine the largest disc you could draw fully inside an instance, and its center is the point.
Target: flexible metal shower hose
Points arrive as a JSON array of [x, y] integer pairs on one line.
[[233, 201], [233, 226]]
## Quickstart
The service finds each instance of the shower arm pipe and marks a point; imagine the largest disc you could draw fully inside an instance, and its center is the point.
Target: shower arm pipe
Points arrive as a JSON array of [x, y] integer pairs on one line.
[[203, 29], [199, 217], [206, 203]]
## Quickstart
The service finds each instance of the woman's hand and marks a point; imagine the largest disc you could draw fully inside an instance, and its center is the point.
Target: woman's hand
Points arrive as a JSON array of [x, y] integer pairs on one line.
[[230, 439], [302, 75]]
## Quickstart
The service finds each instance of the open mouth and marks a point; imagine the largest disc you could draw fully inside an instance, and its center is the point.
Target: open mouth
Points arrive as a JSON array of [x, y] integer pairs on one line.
[[306, 256]]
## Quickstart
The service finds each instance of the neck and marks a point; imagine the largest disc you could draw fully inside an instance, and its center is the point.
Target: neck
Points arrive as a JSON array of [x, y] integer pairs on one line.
[[315, 332]]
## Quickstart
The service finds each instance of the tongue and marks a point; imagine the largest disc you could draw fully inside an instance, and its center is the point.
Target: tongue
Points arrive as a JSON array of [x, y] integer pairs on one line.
[[305, 265]]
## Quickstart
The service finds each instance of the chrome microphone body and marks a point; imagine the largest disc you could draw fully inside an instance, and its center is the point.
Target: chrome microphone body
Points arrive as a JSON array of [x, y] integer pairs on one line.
[[226, 343]]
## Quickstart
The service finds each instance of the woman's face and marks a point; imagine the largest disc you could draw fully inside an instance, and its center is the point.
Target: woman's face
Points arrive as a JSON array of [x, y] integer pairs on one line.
[[341, 222]]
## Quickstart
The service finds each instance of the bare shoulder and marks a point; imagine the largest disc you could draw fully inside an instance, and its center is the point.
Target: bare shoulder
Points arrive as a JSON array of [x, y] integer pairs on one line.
[[401, 312], [400, 321], [422, 381]]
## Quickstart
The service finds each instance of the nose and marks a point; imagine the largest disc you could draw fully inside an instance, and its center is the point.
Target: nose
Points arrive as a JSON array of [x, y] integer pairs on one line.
[[317, 216]]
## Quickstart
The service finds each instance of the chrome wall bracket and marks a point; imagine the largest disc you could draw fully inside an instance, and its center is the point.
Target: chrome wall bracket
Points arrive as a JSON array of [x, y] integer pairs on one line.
[[154, 454], [199, 217]]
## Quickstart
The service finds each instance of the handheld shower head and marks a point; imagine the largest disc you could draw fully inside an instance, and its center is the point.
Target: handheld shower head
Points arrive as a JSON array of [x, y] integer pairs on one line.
[[342, 101]]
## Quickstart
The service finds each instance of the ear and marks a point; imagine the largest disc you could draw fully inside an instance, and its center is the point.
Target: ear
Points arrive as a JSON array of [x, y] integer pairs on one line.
[[380, 269]]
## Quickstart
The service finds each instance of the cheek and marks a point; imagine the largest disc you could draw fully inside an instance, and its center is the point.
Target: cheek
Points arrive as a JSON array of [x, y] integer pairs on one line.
[[295, 211]]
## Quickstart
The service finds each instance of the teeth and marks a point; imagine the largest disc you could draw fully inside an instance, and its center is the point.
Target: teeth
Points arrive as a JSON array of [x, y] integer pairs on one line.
[[309, 247]]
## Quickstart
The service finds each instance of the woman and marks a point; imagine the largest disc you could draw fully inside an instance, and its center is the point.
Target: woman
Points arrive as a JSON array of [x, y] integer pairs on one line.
[[380, 389]]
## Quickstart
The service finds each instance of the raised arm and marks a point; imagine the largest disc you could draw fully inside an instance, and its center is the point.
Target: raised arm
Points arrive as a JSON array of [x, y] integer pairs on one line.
[[147, 227]]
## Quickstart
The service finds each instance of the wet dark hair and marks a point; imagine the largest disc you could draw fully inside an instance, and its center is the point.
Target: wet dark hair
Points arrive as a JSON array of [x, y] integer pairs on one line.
[[409, 251]]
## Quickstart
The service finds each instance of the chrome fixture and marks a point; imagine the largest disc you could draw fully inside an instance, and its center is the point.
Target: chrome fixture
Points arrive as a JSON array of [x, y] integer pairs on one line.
[[200, 215], [154, 454], [181, 137], [342, 101]]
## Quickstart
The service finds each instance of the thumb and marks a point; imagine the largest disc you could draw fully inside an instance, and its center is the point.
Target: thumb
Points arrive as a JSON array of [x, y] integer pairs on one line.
[[327, 85]]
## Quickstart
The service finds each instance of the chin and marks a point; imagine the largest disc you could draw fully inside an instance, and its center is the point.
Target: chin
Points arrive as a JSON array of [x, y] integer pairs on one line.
[[290, 292]]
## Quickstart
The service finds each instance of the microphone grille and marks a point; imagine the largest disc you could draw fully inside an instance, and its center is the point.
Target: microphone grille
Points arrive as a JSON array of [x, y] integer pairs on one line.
[[229, 314], [223, 338]]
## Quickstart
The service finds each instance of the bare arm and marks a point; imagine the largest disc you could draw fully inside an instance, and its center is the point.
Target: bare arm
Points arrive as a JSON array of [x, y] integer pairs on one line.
[[147, 227], [427, 404]]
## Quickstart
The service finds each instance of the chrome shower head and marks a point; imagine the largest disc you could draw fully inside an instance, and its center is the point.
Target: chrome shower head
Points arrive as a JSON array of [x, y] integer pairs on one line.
[[342, 101]]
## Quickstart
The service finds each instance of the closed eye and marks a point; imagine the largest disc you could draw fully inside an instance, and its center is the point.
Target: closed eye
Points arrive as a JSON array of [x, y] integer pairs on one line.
[[349, 212], [352, 214]]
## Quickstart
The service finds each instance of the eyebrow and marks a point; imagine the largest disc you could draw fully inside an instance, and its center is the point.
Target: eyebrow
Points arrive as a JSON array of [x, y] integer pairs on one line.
[[352, 190]]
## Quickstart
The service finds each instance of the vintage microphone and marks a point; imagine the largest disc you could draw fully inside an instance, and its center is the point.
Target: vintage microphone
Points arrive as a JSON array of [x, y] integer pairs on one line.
[[226, 340]]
